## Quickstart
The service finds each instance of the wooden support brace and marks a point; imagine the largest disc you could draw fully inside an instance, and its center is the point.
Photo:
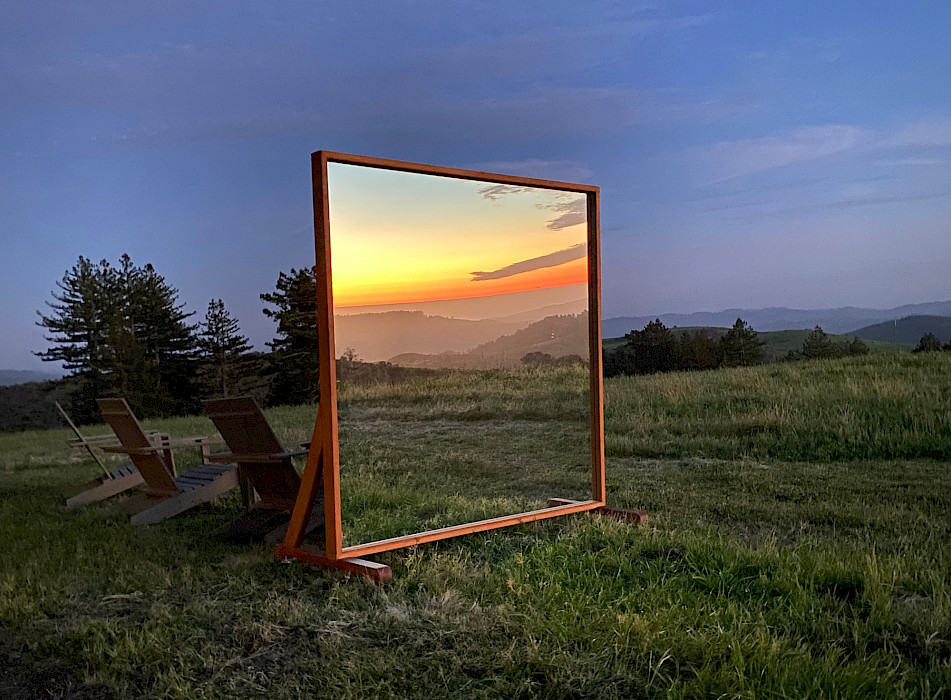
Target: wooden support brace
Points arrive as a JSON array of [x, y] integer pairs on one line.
[[364, 567], [635, 517]]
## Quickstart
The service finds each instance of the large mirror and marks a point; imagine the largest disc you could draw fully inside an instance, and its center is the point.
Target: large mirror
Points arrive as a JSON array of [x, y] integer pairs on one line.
[[462, 336]]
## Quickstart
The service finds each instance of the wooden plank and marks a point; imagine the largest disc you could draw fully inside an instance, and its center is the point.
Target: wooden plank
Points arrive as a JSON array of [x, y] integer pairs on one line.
[[371, 569], [83, 440], [105, 489], [327, 413], [203, 474], [248, 458], [157, 472], [183, 501], [406, 166], [595, 371], [121, 450], [184, 484], [469, 528]]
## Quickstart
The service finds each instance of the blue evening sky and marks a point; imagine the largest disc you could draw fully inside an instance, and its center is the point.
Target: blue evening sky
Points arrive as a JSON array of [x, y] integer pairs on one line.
[[750, 154]]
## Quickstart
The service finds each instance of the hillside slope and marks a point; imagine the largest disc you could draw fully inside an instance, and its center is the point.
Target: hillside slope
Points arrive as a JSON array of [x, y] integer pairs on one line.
[[556, 335], [838, 320], [908, 330]]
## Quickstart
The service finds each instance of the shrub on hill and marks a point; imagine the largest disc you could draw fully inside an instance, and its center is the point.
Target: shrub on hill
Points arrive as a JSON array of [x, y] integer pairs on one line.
[[928, 343]]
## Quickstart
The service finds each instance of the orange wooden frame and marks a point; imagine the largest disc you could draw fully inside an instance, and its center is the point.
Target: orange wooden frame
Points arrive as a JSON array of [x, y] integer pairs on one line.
[[323, 461]]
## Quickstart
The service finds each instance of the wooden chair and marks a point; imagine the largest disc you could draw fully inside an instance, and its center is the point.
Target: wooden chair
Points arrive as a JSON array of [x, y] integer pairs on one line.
[[269, 481], [165, 494]]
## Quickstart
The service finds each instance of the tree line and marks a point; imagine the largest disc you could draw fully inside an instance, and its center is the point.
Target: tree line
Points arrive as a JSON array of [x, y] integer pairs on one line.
[[120, 330], [657, 348], [929, 343]]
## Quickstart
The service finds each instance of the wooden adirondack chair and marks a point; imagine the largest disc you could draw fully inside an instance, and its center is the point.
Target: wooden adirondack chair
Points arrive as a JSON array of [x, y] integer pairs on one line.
[[165, 494], [269, 481]]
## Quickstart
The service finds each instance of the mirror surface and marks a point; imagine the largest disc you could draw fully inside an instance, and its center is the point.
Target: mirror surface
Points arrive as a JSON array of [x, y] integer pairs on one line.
[[461, 332]]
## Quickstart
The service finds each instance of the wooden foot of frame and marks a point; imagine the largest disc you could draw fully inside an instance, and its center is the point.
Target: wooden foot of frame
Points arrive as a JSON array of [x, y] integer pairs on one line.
[[635, 517], [364, 567]]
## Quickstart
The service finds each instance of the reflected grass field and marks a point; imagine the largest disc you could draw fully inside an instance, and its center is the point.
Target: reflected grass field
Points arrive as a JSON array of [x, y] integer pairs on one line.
[[757, 576], [461, 447]]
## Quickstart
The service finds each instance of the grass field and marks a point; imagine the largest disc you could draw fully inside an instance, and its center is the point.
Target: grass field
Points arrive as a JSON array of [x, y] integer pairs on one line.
[[799, 546]]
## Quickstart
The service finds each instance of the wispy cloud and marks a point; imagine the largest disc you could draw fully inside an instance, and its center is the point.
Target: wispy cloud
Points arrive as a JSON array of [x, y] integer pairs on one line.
[[725, 160], [559, 257], [933, 133]]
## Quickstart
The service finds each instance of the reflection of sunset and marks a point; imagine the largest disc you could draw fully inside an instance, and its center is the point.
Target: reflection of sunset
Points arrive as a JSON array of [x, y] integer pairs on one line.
[[401, 237], [361, 290]]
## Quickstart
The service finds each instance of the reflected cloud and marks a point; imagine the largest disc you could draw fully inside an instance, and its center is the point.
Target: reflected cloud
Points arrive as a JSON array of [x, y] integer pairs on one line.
[[571, 213], [559, 257]]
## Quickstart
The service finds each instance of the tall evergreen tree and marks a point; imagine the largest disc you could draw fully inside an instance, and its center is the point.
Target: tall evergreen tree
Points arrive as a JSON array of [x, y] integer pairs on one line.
[[78, 327], [295, 355], [224, 350], [741, 346], [121, 330]]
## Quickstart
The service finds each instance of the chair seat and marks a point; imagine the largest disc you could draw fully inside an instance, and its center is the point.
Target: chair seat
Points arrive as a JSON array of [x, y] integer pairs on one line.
[[202, 475]]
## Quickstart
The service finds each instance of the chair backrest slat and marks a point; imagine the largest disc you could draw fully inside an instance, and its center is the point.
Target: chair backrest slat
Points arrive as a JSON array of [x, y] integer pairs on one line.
[[246, 432], [242, 425], [156, 473]]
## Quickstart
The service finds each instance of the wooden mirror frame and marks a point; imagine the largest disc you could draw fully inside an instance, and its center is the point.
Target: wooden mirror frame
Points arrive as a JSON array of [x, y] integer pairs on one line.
[[322, 471]]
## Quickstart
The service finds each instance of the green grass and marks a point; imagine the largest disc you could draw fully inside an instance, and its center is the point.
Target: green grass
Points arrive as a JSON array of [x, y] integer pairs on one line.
[[887, 406], [768, 570]]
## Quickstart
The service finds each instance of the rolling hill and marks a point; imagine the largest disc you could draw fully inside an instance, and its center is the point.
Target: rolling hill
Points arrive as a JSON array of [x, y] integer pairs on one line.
[[839, 320], [556, 335], [11, 377], [908, 330]]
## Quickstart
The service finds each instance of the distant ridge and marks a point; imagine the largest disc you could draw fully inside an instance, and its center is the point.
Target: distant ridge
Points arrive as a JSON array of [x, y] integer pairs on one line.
[[10, 377], [839, 320], [908, 330], [557, 336]]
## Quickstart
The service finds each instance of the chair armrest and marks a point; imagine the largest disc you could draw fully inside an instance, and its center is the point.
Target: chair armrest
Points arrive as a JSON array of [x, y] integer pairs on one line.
[[254, 458]]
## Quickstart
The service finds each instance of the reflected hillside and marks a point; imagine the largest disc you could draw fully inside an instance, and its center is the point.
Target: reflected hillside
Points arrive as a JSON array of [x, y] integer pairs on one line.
[[556, 338], [377, 333], [378, 336]]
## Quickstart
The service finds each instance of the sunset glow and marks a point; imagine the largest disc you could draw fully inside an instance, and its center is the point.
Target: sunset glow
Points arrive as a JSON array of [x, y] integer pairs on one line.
[[368, 292], [400, 237]]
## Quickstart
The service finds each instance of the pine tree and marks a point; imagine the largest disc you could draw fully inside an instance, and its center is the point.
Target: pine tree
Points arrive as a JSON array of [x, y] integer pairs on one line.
[[857, 347], [653, 349], [78, 327], [295, 354], [224, 350], [818, 345], [698, 351], [928, 343], [122, 331], [741, 346]]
